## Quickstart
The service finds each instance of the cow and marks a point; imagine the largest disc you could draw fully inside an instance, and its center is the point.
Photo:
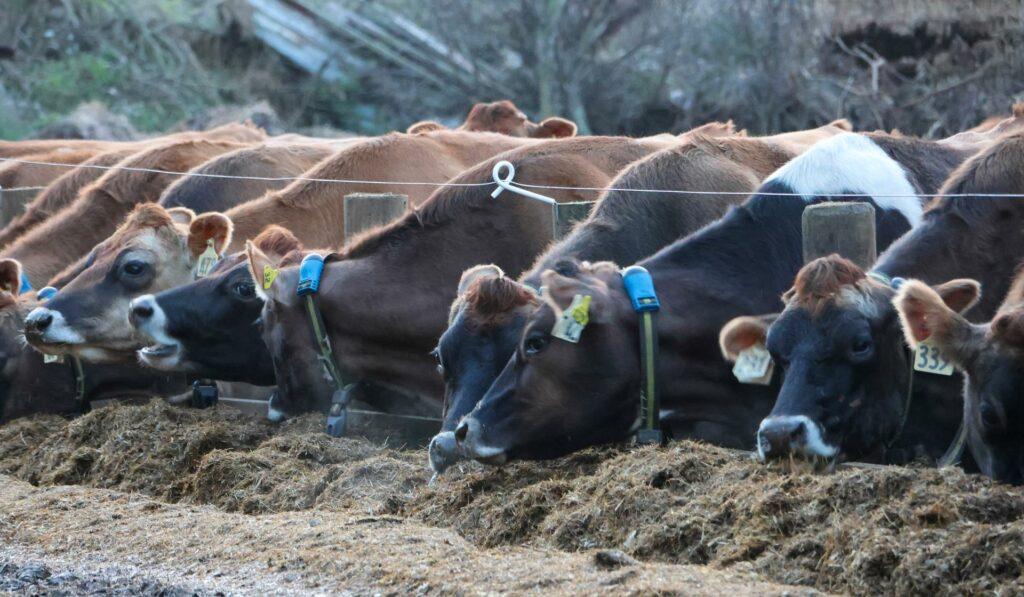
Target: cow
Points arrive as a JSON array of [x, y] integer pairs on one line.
[[64, 189], [19, 149], [502, 117], [26, 174], [486, 319], [991, 357], [154, 249], [962, 235], [553, 396], [31, 385], [384, 296], [208, 328], [314, 209], [48, 248]]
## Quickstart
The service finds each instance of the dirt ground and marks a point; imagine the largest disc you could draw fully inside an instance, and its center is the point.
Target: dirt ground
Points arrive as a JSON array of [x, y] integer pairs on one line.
[[164, 500]]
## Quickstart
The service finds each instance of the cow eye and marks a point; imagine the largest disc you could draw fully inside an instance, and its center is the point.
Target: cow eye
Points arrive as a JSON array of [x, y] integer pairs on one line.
[[862, 348], [990, 416], [245, 290], [437, 357], [134, 268], [535, 344]]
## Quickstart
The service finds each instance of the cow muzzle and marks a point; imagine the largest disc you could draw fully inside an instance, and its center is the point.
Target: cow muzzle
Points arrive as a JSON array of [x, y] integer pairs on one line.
[[467, 436], [146, 316], [792, 435], [47, 330]]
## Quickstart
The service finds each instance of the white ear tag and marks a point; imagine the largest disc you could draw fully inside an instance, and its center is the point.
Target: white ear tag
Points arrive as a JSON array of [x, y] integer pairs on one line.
[[207, 260], [754, 365], [928, 359], [53, 358], [571, 322]]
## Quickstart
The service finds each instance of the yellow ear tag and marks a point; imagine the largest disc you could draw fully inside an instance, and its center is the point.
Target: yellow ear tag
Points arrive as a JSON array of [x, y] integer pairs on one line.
[[754, 365], [206, 260], [571, 322], [269, 275], [928, 359]]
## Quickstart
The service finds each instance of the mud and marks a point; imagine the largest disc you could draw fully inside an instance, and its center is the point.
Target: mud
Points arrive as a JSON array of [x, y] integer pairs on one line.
[[877, 530]]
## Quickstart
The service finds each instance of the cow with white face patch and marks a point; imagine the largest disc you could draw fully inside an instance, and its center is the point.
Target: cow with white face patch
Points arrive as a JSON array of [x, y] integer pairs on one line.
[[153, 250], [843, 367], [737, 266], [965, 233], [991, 356]]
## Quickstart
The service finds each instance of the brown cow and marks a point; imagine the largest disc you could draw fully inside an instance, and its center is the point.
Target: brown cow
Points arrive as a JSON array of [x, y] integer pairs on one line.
[[502, 117], [991, 357], [17, 174], [314, 210], [13, 149], [63, 239], [29, 385], [63, 190], [386, 296], [153, 250]]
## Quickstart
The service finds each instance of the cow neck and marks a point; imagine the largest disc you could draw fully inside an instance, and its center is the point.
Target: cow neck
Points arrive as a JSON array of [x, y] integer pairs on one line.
[[944, 247]]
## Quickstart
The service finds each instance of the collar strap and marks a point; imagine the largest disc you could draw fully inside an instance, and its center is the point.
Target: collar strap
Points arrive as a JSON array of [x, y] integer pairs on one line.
[[640, 289], [310, 272], [79, 370]]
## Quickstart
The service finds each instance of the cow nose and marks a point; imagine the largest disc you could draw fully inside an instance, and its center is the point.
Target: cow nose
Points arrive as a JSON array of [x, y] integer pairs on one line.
[[462, 431], [142, 311], [781, 435], [39, 320]]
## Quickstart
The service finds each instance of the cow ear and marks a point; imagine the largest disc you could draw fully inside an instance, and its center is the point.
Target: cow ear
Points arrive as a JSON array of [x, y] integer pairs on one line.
[[425, 126], [263, 269], [181, 215], [959, 295], [478, 272], [555, 128], [213, 226], [558, 291], [277, 241], [1008, 328], [10, 276], [743, 332]]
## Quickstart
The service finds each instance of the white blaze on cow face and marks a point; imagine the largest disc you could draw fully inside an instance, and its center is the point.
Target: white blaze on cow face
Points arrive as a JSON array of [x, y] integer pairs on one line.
[[852, 163], [792, 434]]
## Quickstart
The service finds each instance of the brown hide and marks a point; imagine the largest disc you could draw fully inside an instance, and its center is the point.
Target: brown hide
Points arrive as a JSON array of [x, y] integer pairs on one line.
[[314, 210], [101, 206]]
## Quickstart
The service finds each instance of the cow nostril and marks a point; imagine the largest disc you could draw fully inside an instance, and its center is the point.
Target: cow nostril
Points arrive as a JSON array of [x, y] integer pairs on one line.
[[41, 322], [461, 431], [798, 434], [142, 311]]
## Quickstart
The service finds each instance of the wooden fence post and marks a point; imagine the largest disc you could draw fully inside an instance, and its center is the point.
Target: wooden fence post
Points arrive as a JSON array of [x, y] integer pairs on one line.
[[366, 210], [844, 228]]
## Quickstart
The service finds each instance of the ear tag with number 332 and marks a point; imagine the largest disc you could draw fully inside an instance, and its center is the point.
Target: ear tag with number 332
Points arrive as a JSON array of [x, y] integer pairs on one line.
[[571, 322], [754, 365], [928, 359], [206, 260]]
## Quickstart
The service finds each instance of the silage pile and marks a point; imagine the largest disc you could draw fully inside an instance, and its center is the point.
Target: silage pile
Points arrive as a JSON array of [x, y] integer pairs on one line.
[[863, 530]]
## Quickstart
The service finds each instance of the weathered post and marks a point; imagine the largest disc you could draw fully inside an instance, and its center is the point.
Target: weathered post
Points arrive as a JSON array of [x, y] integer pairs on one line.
[[844, 228], [367, 210], [567, 214]]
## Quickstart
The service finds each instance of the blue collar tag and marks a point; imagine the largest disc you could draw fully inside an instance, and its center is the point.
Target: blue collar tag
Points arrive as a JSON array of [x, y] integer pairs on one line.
[[46, 293], [310, 270], [640, 288], [25, 284]]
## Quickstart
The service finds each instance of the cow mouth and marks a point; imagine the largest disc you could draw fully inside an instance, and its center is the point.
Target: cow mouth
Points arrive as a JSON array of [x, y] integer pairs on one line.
[[160, 354]]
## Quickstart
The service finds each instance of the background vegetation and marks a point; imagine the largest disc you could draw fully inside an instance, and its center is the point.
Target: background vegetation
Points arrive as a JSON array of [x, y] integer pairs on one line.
[[613, 66]]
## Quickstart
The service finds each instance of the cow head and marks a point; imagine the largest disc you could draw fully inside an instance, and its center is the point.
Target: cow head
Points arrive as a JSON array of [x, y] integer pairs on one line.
[[285, 329], [844, 364], [554, 396], [27, 384], [483, 328], [991, 356], [209, 327], [153, 250], [505, 118]]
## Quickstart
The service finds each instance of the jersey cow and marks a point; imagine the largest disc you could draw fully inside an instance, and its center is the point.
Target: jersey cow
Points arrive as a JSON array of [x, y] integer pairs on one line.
[[991, 356], [554, 396], [851, 346], [625, 226], [503, 117], [385, 296], [74, 231], [153, 250], [314, 209]]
